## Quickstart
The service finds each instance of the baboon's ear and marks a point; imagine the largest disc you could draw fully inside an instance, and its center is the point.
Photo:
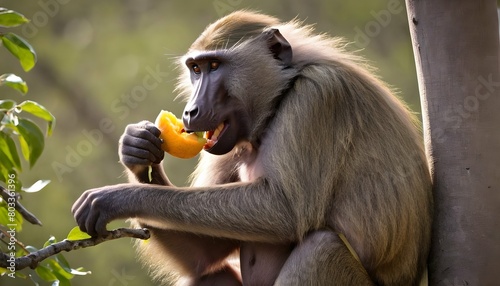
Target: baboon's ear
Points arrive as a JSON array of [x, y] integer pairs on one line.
[[279, 46]]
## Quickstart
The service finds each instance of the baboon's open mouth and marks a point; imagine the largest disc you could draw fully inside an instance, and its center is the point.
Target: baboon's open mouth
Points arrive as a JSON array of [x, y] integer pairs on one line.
[[213, 136]]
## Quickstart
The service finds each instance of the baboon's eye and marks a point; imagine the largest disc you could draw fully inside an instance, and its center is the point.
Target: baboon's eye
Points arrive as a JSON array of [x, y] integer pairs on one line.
[[196, 68], [214, 65]]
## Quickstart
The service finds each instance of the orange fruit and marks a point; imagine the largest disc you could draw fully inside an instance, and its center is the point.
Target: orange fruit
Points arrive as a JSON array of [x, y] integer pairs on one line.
[[176, 141]]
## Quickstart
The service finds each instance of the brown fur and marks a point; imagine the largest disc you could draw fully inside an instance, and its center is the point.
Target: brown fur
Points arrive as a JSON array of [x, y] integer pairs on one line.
[[331, 150], [367, 150]]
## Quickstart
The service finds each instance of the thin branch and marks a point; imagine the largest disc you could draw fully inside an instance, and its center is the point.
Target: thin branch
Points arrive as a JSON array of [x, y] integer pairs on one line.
[[12, 238], [31, 260], [20, 208]]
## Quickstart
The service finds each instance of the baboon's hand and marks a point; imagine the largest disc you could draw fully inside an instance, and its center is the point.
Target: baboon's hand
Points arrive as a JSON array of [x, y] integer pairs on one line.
[[96, 207], [140, 146]]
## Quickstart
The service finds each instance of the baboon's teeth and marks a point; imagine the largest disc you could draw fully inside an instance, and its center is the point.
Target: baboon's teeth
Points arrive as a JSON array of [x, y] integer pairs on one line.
[[217, 132], [212, 136]]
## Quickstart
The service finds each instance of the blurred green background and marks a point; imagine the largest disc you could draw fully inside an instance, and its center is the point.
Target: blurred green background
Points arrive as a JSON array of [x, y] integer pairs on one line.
[[105, 64]]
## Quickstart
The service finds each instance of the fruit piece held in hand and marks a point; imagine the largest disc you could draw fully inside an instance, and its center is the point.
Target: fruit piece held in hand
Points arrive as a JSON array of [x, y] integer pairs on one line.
[[176, 141]]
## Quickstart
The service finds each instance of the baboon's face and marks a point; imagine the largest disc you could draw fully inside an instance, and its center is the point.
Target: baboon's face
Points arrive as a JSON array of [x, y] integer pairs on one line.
[[211, 108], [227, 85]]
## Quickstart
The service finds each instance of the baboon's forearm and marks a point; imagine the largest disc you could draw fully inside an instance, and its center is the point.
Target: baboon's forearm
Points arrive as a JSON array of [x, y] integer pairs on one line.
[[262, 214]]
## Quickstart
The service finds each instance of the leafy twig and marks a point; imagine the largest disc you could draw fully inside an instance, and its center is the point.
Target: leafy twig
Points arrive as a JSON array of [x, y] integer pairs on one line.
[[31, 260]]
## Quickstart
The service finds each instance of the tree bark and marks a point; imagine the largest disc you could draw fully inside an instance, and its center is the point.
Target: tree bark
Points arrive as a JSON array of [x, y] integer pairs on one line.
[[456, 48]]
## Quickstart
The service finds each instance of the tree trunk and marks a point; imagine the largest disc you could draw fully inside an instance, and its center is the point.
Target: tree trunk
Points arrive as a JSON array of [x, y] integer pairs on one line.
[[456, 47]]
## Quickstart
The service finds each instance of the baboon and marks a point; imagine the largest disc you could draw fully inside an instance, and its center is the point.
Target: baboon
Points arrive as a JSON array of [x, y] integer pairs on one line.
[[314, 171]]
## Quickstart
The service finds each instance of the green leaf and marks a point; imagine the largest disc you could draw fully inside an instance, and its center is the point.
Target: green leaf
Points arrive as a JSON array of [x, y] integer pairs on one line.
[[8, 147], [37, 186], [18, 47], [63, 262], [21, 252], [14, 82], [9, 18], [45, 273], [6, 176], [31, 140], [6, 161], [63, 281], [65, 265], [22, 275], [4, 173], [59, 271], [80, 271], [76, 234], [6, 217], [50, 241], [7, 104], [31, 248], [38, 110]]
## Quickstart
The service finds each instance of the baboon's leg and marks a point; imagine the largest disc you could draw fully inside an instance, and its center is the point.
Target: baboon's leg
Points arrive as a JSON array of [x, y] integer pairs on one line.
[[322, 259]]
